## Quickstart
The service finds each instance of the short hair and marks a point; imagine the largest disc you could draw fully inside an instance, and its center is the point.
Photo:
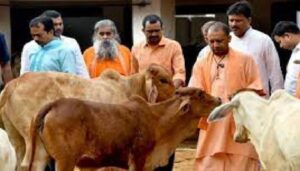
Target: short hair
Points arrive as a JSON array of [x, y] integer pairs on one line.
[[109, 23], [46, 21], [283, 27], [51, 14], [240, 8], [205, 26], [152, 18], [216, 26]]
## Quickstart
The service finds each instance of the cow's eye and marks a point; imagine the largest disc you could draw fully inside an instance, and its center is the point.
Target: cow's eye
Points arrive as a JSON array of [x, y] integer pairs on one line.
[[201, 94], [177, 94], [163, 80]]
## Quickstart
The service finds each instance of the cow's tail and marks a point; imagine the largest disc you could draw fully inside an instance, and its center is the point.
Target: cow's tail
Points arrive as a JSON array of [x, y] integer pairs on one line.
[[37, 125]]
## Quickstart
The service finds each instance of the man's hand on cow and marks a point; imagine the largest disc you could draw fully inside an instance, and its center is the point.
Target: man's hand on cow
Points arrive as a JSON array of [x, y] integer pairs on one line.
[[178, 83]]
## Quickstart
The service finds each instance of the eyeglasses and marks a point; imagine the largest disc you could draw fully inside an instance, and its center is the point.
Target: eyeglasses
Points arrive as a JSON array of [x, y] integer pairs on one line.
[[105, 33]]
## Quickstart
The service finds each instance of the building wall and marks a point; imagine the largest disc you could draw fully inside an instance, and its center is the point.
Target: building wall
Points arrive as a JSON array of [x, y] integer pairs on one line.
[[163, 8], [262, 9]]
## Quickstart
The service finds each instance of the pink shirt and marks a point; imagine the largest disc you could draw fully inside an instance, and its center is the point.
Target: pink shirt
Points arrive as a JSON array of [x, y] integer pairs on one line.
[[167, 53]]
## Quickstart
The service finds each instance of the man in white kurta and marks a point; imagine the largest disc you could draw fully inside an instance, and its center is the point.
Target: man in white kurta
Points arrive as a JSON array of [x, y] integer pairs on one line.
[[287, 34], [32, 46], [257, 44], [204, 30]]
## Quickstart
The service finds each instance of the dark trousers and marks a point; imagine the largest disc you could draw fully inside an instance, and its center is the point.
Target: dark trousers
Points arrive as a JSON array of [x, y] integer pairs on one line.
[[169, 166], [50, 165]]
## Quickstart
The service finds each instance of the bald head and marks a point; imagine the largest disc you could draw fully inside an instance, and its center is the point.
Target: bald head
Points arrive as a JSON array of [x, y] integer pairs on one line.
[[218, 38], [219, 26]]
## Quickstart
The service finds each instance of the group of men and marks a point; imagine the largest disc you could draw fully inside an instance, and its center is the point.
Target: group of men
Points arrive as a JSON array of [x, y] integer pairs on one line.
[[236, 57], [51, 51], [242, 58]]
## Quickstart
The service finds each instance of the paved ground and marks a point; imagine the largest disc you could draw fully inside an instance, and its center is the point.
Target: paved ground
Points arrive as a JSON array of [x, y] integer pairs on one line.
[[184, 159], [185, 156]]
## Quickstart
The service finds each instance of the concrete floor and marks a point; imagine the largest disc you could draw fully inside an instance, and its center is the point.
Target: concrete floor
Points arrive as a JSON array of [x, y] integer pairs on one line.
[[184, 159]]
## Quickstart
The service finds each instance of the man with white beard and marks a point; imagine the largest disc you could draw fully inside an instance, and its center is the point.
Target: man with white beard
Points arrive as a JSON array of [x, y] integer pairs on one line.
[[106, 51]]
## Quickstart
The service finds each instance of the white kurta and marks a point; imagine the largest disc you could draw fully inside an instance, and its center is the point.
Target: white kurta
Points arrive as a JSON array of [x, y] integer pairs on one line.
[[32, 46], [261, 47], [203, 51], [293, 71]]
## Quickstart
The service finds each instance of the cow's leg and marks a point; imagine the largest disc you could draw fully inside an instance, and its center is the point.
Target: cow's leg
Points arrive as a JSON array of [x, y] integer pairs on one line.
[[28, 149], [41, 157], [138, 164], [15, 138], [65, 164]]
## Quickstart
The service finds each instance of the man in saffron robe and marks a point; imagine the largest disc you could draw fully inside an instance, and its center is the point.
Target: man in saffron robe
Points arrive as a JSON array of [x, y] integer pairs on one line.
[[222, 72], [106, 51]]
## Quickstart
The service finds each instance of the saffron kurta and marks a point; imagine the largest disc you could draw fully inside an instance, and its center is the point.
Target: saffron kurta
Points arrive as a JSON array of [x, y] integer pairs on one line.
[[121, 64], [167, 53], [238, 71], [298, 87]]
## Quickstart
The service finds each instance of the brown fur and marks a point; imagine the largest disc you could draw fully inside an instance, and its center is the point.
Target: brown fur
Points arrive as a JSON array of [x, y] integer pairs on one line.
[[23, 97], [127, 135]]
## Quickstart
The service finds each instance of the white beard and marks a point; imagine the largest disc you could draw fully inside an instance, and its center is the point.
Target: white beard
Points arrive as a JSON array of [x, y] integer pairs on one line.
[[106, 49]]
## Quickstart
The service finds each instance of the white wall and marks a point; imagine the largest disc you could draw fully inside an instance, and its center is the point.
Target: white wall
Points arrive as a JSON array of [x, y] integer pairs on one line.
[[163, 8]]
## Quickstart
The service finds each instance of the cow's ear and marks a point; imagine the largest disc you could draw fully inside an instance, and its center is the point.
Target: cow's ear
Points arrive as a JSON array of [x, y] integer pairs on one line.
[[184, 107], [151, 91], [152, 70], [221, 111]]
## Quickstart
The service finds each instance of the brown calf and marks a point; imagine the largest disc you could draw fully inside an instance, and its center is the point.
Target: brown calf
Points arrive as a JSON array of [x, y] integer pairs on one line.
[[23, 97], [135, 135]]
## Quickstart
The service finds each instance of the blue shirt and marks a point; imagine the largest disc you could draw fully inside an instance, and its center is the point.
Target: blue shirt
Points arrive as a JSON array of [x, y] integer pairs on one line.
[[54, 56], [4, 55]]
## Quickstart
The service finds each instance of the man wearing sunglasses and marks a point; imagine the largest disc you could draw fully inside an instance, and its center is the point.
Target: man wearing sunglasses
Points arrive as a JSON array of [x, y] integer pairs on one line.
[[106, 51]]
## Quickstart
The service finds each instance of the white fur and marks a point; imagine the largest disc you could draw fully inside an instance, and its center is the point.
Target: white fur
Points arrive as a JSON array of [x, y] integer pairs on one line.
[[272, 125], [8, 158]]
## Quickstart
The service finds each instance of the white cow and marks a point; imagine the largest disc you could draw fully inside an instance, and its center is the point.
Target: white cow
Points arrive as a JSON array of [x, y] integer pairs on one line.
[[8, 159], [273, 126]]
